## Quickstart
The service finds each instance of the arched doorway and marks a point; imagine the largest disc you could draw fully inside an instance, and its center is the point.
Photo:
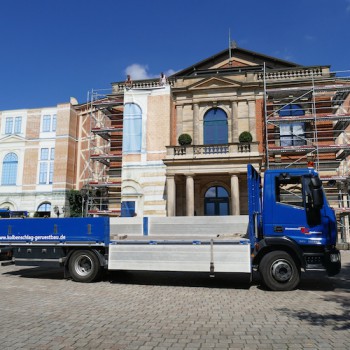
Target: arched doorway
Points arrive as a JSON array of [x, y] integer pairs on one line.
[[216, 201]]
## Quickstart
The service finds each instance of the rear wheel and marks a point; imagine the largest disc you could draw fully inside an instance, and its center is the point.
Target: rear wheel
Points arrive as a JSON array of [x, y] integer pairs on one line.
[[84, 266], [279, 271]]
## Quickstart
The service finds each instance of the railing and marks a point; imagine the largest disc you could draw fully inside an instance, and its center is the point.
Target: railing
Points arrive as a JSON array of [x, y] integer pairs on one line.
[[141, 84], [284, 74], [235, 149]]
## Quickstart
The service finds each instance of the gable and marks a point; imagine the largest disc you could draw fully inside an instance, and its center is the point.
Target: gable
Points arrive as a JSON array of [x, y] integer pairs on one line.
[[231, 62], [233, 59], [12, 139], [214, 83]]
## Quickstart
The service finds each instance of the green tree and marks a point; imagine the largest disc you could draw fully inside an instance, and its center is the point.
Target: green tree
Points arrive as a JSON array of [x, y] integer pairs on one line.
[[75, 201]]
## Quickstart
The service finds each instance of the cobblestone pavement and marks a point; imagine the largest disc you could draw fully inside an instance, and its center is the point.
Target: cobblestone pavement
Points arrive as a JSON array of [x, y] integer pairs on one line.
[[41, 310]]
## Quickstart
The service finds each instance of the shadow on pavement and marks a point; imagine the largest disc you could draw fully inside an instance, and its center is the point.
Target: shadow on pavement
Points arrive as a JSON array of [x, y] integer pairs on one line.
[[309, 281], [145, 278], [339, 319], [183, 279], [38, 272]]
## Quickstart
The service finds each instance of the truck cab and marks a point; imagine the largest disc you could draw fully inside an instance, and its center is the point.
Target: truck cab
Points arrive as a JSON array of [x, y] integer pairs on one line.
[[294, 228]]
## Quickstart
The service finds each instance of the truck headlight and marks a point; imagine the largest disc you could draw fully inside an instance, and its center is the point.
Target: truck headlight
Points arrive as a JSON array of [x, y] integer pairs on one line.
[[334, 258]]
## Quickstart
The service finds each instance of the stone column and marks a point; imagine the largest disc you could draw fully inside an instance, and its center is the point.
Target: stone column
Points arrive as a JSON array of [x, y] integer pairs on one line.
[[234, 122], [234, 195], [171, 195], [189, 195], [195, 124]]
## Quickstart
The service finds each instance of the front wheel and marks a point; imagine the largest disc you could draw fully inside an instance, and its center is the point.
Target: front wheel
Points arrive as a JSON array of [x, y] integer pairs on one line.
[[84, 266], [279, 271]]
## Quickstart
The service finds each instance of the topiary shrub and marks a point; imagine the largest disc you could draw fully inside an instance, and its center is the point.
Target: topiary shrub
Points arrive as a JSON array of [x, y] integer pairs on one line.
[[185, 139], [245, 136]]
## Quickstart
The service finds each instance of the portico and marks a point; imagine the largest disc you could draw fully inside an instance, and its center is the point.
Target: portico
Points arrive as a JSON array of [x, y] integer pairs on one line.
[[199, 194], [202, 183]]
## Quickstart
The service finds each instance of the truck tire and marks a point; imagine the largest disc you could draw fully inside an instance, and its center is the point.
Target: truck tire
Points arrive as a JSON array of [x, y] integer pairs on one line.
[[84, 266], [279, 271]]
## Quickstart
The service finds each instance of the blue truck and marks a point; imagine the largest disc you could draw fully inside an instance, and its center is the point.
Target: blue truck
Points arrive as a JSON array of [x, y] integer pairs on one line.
[[291, 229]]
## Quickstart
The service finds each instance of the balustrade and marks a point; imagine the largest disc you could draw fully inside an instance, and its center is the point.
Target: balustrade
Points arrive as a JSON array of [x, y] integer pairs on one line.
[[291, 74], [222, 150]]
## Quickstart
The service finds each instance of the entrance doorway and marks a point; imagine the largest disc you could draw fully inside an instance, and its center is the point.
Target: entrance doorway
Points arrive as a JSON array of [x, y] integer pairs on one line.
[[216, 201]]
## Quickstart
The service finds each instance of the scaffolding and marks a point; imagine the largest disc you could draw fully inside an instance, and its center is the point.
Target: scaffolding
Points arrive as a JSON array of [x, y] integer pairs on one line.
[[307, 120], [103, 189]]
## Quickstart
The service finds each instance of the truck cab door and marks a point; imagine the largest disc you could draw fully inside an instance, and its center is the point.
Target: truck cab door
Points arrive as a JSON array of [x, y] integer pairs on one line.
[[288, 214]]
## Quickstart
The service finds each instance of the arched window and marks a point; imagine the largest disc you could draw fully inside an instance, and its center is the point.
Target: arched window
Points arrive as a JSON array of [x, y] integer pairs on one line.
[[7, 206], [46, 206], [9, 169], [292, 134], [216, 201], [44, 210], [215, 127], [132, 128]]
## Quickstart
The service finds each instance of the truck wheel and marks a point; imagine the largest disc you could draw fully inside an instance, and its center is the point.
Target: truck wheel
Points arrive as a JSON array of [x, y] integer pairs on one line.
[[279, 271], [84, 266]]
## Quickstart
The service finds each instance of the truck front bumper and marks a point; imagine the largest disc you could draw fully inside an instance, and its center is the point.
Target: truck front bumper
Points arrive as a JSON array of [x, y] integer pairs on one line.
[[333, 261]]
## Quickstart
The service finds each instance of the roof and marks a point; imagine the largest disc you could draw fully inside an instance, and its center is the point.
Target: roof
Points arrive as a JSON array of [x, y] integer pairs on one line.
[[236, 59]]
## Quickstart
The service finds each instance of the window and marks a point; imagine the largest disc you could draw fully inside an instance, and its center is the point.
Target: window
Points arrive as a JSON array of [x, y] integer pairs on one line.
[[289, 191], [8, 125], [44, 207], [47, 156], [292, 134], [9, 169], [215, 127], [216, 201], [18, 125], [132, 128], [44, 210], [13, 125], [49, 122], [128, 209]]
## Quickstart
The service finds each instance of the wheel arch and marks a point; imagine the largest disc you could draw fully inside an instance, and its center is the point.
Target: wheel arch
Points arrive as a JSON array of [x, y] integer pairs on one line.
[[271, 244], [99, 254]]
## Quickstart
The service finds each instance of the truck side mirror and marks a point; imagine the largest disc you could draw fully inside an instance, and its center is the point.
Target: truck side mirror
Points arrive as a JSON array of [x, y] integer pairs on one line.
[[317, 196], [316, 182], [316, 192]]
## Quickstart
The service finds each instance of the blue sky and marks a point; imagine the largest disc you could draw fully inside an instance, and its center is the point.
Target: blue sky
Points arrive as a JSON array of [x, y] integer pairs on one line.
[[54, 49]]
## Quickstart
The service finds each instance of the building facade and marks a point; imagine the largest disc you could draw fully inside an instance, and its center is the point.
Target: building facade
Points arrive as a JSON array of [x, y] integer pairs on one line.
[[214, 102], [124, 148], [37, 157]]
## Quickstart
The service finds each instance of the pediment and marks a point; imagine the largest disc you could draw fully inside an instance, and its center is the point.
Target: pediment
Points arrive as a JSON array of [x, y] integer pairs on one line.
[[233, 63], [11, 139], [214, 83], [234, 59]]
